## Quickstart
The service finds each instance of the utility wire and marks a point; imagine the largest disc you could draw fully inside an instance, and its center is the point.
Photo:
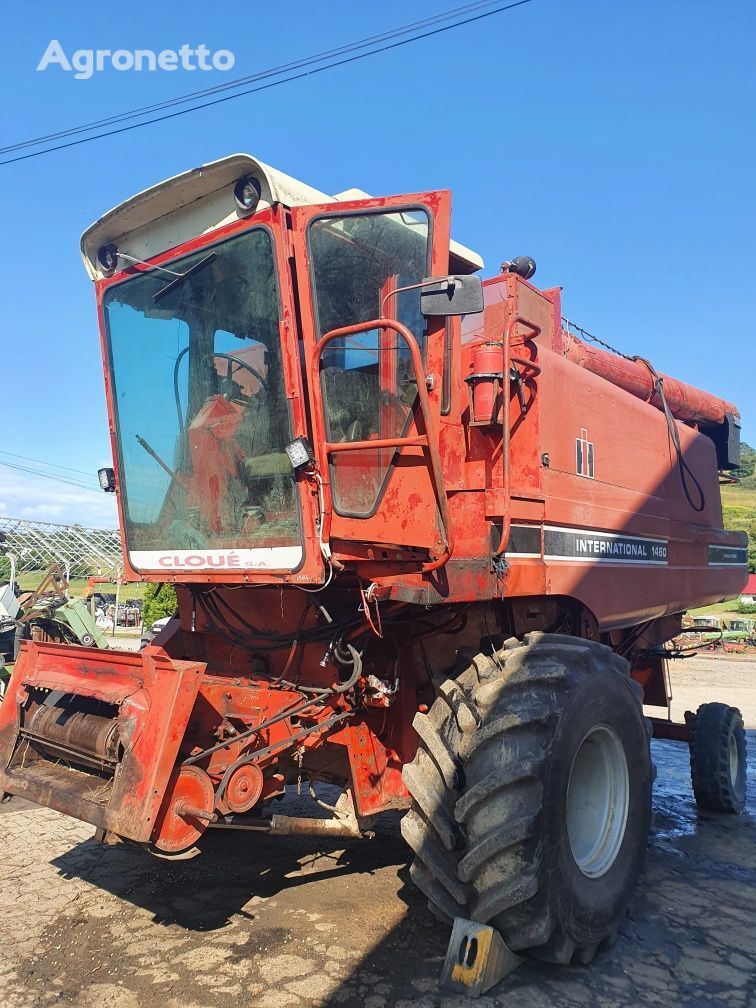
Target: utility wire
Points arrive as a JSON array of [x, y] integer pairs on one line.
[[57, 479], [262, 75], [52, 465], [263, 87]]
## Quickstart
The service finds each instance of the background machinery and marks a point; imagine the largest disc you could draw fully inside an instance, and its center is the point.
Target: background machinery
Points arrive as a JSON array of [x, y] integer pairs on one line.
[[428, 545], [45, 614]]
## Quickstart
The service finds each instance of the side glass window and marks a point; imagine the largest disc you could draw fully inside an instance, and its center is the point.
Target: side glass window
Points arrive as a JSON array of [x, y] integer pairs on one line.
[[368, 383]]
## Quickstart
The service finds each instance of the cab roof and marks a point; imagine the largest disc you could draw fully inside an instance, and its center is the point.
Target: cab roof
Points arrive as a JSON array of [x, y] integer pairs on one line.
[[199, 201]]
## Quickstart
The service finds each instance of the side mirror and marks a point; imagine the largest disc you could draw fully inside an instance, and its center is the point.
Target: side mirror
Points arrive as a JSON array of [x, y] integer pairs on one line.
[[451, 295]]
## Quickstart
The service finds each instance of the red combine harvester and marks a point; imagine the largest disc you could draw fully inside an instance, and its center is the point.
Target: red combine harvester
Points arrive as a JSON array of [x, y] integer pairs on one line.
[[428, 545]]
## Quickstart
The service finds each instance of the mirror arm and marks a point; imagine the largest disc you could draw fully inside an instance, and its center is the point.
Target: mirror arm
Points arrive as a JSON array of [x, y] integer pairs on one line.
[[428, 282]]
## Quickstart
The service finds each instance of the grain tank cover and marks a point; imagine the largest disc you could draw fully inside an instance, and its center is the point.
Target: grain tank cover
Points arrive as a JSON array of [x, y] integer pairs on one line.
[[201, 200]]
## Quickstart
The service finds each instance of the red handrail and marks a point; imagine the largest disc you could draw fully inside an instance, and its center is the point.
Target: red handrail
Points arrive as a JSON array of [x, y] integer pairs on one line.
[[506, 521], [427, 441]]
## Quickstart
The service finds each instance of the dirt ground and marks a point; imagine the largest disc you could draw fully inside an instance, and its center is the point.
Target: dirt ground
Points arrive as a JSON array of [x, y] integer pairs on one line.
[[731, 680], [269, 922]]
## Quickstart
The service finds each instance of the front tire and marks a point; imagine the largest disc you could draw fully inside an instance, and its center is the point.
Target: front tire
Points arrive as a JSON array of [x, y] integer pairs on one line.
[[718, 758], [532, 795]]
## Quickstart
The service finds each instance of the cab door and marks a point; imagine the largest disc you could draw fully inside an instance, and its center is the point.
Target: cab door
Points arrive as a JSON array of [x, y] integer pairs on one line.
[[374, 370]]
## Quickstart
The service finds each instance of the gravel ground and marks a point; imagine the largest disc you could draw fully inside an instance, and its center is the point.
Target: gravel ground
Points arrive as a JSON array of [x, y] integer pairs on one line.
[[269, 922], [731, 680]]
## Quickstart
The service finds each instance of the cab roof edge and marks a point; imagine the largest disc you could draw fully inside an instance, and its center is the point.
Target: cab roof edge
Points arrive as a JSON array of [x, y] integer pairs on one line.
[[162, 203]]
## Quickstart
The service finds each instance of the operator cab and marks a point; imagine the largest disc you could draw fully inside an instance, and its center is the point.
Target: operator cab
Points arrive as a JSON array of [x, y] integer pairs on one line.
[[216, 288]]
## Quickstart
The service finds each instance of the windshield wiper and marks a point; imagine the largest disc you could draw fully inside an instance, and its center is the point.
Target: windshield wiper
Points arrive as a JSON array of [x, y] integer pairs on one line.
[[180, 277], [163, 465]]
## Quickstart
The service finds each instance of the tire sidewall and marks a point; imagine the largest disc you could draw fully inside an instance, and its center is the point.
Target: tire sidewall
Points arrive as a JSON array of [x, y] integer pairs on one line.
[[737, 783], [587, 908], [714, 727]]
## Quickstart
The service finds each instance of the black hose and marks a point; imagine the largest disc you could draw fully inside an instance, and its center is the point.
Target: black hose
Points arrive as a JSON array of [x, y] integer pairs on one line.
[[356, 673], [682, 466]]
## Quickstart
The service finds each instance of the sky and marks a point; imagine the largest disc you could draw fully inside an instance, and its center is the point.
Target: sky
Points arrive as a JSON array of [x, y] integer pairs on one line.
[[614, 142]]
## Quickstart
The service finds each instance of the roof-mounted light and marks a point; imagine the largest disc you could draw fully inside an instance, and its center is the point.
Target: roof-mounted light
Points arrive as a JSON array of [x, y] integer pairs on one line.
[[247, 192], [107, 257]]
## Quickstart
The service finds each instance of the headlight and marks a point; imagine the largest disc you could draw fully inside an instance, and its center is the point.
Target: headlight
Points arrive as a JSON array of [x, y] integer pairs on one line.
[[107, 257], [247, 192]]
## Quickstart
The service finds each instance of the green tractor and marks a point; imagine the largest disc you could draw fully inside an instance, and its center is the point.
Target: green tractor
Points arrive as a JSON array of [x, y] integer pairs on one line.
[[721, 631], [741, 630], [46, 614]]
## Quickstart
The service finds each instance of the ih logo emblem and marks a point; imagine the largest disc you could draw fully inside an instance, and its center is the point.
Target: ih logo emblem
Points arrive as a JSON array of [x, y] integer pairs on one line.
[[584, 455]]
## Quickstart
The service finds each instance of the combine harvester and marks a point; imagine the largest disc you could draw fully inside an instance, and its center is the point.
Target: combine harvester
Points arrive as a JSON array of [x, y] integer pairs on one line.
[[428, 545]]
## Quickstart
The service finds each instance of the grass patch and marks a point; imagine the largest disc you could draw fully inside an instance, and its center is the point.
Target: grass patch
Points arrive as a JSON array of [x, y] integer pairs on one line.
[[78, 587], [739, 496], [729, 608]]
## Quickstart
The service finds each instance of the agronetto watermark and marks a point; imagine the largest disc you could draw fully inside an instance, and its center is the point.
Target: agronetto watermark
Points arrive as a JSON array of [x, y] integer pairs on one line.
[[84, 63]]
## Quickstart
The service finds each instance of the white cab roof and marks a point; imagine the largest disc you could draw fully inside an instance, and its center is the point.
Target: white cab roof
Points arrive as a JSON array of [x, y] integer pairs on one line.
[[200, 200]]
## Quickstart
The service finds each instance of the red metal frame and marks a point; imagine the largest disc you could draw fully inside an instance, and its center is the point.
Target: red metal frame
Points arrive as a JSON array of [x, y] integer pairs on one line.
[[154, 695], [427, 441], [274, 218], [412, 480]]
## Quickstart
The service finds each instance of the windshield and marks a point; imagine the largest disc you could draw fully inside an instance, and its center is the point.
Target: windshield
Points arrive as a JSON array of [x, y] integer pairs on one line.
[[201, 411]]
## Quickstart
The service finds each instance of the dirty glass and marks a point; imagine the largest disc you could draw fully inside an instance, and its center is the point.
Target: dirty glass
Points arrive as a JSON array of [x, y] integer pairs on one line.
[[202, 415], [368, 382]]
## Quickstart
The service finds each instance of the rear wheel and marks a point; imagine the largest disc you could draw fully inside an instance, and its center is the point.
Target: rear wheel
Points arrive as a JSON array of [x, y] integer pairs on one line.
[[718, 758], [532, 795]]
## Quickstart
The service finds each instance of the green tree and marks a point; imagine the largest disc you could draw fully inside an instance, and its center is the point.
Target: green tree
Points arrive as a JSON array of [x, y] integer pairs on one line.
[[159, 601], [743, 519], [747, 471], [747, 460]]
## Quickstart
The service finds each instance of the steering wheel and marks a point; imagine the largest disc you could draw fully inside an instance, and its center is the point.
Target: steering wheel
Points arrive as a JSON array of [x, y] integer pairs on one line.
[[234, 361]]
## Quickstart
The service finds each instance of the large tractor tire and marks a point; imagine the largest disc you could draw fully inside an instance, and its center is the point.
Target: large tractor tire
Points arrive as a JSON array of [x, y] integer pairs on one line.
[[718, 758], [531, 795]]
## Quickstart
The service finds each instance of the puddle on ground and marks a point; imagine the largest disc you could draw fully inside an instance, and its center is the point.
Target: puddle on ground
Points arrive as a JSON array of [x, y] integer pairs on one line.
[[676, 815]]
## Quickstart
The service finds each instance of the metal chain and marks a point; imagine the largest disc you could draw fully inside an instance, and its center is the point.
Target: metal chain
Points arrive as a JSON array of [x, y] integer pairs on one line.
[[595, 339]]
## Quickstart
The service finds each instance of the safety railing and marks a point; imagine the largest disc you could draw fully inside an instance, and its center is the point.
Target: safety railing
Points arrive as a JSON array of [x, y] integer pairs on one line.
[[427, 441]]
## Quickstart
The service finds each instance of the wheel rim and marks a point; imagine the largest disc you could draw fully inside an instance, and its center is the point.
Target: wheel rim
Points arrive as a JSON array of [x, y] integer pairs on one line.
[[597, 801], [734, 758]]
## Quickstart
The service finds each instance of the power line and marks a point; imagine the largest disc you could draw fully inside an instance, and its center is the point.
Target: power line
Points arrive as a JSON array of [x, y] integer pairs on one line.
[[52, 465], [264, 87], [239, 81], [57, 479]]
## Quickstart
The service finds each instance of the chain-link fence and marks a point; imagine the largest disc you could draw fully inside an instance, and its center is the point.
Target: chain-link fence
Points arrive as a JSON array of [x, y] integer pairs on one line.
[[82, 552]]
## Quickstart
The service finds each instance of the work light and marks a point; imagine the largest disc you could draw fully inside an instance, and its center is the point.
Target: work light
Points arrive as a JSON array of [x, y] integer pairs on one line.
[[107, 480], [300, 453], [247, 192]]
